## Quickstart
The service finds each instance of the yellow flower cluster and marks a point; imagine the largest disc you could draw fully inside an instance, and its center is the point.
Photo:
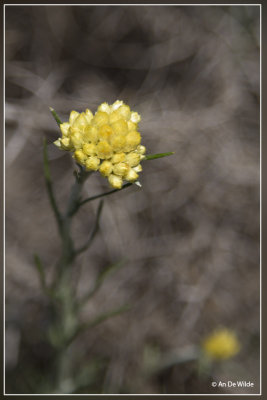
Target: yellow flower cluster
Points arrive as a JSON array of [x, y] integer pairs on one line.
[[221, 344], [108, 141]]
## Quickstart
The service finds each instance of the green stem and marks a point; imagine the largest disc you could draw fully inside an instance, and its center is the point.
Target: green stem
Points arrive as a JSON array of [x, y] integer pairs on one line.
[[75, 196], [98, 196], [94, 231], [102, 276], [98, 320], [49, 187]]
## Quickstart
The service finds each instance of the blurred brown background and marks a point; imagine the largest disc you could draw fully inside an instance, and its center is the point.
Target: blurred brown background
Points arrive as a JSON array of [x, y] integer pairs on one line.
[[190, 235]]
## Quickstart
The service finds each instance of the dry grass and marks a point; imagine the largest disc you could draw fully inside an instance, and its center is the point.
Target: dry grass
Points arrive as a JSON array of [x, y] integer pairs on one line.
[[191, 234]]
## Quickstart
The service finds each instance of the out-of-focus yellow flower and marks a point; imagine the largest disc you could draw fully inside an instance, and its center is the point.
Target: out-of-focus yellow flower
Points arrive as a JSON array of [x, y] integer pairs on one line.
[[108, 141], [221, 344]]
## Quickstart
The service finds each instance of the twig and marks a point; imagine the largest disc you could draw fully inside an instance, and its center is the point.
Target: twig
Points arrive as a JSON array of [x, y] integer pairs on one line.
[[102, 276], [105, 194], [49, 187], [95, 229]]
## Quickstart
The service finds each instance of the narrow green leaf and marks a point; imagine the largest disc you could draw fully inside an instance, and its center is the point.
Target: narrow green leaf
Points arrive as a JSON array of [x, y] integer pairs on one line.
[[100, 279], [53, 112], [159, 155], [98, 196], [103, 317], [49, 185], [94, 231], [108, 271], [98, 320]]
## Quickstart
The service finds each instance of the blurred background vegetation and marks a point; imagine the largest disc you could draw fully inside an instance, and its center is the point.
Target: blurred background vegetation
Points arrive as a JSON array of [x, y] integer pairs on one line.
[[190, 235]]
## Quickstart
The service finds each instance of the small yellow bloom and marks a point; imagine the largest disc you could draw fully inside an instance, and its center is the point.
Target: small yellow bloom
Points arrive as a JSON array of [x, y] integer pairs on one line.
[[80, 157], [131, 126], [125, 112], [138, 168], [121, 169], [76, 138], [89, 149], [65, 143], [92, 163], [90, 134], [135, 117], [120, 127], [141, 149], [114, 116], [108, 141], [132, 175], [104, 150], [65, 128], [132, 140], [133, 159], [221, 345], [118, 157], [100, 118], [73, 116], [80, 122], [115, 181], [106, 168], [105, 131], [118, 143]]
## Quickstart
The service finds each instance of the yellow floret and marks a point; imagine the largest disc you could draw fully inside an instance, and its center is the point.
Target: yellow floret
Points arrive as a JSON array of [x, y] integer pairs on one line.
[[88, 115], [115, 181], [131, 126], [131, 175], [141, 149], [76, 139], [73, 116], [125, 111], [89, 149], [65, 128], [132, 141], [104, 150], [120, 127], [92, 163], [118, 143], [121, 169], [135, 117], [114, 116], [133, 159], [104, 107], [90, 134], [80, 157], [81, 121], [58, 143], [138, 168], [116, 105], [65, 143], [100, 118], [106, 168], [221, 344], [119, 157], [105, 131]]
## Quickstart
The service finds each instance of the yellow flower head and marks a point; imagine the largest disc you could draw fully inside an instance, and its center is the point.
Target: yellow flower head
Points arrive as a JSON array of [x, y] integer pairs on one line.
[[221, 344], [108, 141]]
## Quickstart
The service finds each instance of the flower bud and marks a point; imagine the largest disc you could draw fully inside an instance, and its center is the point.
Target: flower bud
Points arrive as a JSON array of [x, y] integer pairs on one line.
[[121, 169], [106, 168], [92, 163], [115, 181]]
